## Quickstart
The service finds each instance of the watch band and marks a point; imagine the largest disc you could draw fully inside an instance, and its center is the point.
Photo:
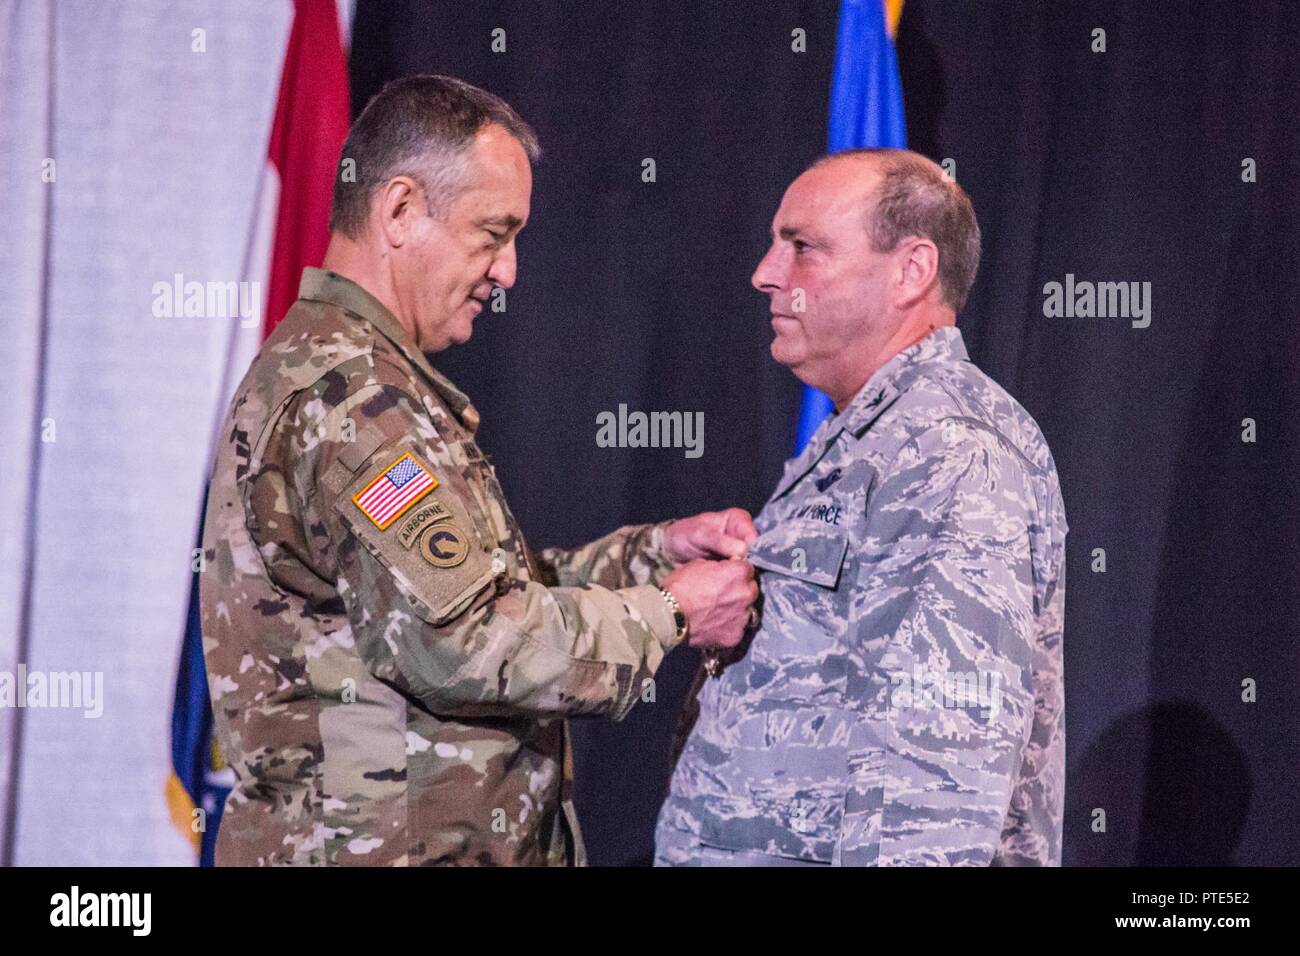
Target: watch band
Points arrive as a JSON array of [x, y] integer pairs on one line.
[[679, 616]]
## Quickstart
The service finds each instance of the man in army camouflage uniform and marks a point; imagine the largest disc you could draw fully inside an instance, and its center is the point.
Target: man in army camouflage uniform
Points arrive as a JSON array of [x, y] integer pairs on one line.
[[901, 703], [390, 665]]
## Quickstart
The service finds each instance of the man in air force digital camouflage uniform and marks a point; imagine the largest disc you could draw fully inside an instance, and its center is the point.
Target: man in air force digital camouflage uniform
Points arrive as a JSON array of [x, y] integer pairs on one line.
[[901, 703], [389, 664]]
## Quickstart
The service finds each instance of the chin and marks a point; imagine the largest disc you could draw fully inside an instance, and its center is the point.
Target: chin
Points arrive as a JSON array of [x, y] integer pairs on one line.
[[783, 354]]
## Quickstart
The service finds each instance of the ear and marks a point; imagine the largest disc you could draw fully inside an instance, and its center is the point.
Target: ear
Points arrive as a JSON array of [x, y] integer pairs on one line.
[[399, 203], [918, 261]]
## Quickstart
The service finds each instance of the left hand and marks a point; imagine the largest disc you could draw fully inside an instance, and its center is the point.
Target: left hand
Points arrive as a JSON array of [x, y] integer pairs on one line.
[[712, 534]]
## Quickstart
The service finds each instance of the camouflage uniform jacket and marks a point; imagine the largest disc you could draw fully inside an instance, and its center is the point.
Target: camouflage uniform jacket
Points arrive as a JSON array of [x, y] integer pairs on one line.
[[389, 665], [901, 702]]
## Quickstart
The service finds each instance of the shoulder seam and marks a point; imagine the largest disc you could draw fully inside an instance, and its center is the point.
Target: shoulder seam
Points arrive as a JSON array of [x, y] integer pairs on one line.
[[959, 404]]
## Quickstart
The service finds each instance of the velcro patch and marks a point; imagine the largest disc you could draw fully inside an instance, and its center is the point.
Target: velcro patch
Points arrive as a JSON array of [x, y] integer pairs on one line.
[[428, 513], [445, 546], [394, 490]]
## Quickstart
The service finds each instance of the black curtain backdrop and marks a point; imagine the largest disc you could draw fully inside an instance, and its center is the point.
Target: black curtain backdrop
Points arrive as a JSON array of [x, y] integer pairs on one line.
[[1127, 165], [1117, 166]]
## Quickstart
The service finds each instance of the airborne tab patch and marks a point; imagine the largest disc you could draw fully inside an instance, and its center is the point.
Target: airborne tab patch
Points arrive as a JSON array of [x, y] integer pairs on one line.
[[423, 516], [394, 490]]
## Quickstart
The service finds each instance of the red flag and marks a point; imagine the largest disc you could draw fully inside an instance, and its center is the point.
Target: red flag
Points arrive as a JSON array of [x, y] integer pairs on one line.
[[311, 123]]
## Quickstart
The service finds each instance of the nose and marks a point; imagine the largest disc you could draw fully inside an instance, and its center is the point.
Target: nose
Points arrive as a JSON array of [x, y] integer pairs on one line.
[[504, 266], [768, 275]]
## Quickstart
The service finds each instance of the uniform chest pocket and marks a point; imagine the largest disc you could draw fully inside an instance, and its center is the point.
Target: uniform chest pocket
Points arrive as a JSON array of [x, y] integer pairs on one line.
[[806, 575], [806, 550], [497, 522]]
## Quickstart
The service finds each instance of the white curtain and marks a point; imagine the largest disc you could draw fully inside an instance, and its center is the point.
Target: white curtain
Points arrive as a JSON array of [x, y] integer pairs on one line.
[[157, 116]]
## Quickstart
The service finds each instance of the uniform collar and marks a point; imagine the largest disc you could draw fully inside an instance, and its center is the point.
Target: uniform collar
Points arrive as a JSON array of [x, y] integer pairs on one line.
[[895, 376], [321, 285], [880, 391]]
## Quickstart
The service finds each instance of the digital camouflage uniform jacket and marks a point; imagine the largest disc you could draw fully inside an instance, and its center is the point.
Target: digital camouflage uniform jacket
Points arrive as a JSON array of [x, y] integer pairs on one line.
[[389, 665], [902, 701]]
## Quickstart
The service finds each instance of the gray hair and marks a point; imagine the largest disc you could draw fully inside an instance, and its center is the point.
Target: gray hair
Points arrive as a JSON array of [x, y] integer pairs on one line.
[[915, 199], [422, 127]]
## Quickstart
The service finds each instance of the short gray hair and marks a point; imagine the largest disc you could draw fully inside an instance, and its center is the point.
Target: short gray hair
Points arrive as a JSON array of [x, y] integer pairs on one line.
[[915, 199], [422, 127]]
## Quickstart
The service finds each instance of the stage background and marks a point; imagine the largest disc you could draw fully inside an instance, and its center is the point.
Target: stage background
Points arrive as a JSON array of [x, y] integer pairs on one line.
[[1117, 166], [1127, 165], [1123, 165]]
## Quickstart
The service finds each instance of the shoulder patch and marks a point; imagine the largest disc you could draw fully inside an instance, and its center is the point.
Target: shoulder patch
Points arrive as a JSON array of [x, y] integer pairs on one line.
[[394, 490], [445, 545], [430, 512]]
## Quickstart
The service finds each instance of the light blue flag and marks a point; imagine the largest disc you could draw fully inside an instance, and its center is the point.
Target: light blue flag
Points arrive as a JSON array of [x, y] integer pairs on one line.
[[866, 110]]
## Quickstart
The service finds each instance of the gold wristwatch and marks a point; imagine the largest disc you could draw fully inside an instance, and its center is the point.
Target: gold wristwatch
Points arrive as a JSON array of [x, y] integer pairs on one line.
[[679, 616]]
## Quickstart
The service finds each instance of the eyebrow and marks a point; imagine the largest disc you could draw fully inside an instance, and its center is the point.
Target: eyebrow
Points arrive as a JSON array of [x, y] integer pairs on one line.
[[794, 232], [510, 222]]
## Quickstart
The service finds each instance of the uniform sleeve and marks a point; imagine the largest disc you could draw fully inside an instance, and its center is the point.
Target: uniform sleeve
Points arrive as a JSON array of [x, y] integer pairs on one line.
[[1032, 836], [630, 556], [424, 583], [940, 663]]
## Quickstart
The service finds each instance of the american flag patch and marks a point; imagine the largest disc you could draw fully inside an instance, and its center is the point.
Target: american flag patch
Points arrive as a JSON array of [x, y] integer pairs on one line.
[[401, 485]]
